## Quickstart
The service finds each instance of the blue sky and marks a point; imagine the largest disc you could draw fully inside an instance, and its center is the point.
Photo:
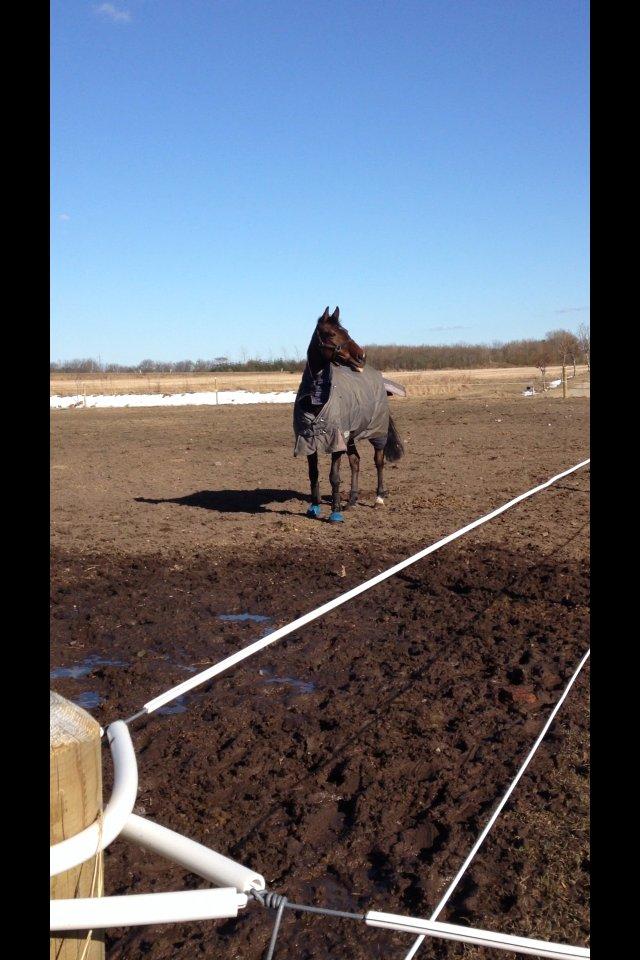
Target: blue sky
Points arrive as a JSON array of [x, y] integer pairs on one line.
[[224, 169]]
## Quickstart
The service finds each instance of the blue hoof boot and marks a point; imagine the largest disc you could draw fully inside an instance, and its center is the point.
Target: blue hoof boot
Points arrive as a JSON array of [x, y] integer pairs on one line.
[[314, 511], [335, 517]]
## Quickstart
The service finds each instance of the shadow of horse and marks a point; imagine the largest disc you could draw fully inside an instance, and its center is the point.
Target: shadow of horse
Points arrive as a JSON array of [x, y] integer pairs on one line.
[[234, 501]]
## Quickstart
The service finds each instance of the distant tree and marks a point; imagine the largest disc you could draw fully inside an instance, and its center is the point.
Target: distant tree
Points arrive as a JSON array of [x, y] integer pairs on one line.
[[542, 363], [148, 366], [81, 365], [584, 339], [563, 345]]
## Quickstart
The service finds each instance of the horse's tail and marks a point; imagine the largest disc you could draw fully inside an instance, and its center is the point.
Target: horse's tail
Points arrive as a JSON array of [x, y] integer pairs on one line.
[[394, 449]]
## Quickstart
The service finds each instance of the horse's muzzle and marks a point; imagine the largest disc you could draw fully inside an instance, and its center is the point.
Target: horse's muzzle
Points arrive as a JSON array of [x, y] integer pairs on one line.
[[359, 362]]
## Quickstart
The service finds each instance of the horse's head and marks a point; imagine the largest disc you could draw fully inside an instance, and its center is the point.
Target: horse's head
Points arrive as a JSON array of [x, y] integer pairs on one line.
[[335, 344]]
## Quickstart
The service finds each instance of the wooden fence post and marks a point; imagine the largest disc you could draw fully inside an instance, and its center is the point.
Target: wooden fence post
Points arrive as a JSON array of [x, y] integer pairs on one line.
[[564, 381], [75, 801]]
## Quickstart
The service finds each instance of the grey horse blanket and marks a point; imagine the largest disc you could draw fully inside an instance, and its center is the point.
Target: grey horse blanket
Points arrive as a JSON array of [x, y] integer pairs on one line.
[[357, 408]]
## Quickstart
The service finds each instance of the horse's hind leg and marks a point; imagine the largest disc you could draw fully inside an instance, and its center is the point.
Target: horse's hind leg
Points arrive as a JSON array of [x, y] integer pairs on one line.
[[314, 480], [378, 459], [354, 463], [335, 515]]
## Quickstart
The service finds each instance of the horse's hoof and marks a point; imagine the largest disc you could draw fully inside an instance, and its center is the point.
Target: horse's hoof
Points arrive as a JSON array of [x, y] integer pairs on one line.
[[314, 511], [379, 502], [335, 517]]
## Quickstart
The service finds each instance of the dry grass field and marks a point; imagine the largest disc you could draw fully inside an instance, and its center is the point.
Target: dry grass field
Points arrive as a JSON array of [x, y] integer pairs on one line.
[[490, 382]]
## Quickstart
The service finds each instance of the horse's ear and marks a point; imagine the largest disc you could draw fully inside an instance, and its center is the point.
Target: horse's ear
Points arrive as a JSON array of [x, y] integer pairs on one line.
[[335, 316], [325, 315]]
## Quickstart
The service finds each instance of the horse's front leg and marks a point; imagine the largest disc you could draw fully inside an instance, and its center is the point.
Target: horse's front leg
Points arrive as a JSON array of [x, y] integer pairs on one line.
[[314, 480], [335, 516], [354, 463], [378, 459]]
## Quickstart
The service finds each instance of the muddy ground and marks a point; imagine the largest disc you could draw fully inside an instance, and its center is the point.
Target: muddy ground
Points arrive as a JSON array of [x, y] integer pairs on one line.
[[354, 763]]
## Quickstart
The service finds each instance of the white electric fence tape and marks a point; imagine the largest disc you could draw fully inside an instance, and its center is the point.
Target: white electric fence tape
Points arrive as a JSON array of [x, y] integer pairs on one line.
[[456, 880], [483, 938], [223, 665]]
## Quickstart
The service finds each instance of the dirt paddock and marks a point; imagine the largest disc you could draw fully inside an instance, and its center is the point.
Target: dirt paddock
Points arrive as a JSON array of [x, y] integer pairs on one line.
[[353, 764]]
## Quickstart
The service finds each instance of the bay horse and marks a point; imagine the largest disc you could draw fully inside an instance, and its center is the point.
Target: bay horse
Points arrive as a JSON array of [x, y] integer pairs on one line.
[[340, 401]]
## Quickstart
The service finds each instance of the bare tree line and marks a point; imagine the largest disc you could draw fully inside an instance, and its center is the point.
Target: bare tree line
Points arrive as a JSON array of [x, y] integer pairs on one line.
[[558, 347]]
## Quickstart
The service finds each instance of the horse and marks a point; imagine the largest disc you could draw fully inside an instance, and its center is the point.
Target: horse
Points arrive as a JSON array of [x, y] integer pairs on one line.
[[340, 401]]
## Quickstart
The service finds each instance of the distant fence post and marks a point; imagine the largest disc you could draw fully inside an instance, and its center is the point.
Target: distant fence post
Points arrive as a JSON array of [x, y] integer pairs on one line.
[[75, 801], [564, 381]]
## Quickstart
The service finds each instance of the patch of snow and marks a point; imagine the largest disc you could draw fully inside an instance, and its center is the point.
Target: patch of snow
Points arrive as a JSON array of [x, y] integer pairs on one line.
[[170, 400], [554, 383]]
